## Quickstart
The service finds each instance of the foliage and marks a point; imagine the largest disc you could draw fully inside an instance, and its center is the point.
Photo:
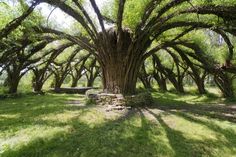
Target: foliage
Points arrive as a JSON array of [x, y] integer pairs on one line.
[[89, 102], [143, 99]]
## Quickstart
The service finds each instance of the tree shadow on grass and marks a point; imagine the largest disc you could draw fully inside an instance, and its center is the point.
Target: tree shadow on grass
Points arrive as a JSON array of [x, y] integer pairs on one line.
[[218, 111], [25, 111], [228, 133], [184, 146], [120, 137]]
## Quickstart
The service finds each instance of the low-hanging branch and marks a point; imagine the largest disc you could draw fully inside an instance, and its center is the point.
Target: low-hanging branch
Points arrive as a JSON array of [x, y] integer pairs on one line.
[[17, 21]]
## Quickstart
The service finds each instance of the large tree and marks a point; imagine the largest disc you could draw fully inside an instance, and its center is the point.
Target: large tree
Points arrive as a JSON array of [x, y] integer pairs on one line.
[[139, 32]]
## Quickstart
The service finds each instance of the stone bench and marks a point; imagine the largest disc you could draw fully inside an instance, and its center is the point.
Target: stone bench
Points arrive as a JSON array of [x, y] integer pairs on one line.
[[73, 90]]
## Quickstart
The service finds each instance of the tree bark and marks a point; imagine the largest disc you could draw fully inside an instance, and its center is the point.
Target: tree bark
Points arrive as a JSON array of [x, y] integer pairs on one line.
[[38, 87], [201, 87], [13, 82], [58, 83], [120, 60], [161, 81], [144, 77], [146, 82], [74, 82], [118, 79], [13, 85], [225, 84], [90, 83]]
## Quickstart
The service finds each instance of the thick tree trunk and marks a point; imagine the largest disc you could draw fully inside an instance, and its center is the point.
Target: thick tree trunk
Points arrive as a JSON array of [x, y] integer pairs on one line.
[[225, 84], [118, 79], [161, 81], [179, 87], [57, 86], [162, 85], [13, 85], [176, 83], [90, 82], [201, 86], [37, 87], [120, 58], [13, 80], [40, 77], [58, 83]]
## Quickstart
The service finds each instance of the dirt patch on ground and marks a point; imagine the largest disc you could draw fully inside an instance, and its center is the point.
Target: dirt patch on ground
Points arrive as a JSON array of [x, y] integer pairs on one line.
[[75, 102], [113, 114]]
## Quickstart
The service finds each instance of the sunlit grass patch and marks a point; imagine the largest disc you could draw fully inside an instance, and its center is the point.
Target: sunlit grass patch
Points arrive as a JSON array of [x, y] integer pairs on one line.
[[168, 97], [62, 125], [189, 129], [24, 136], [63, 117]]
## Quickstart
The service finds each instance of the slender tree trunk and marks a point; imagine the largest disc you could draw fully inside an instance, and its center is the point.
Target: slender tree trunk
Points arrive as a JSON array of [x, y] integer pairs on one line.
[[146, 82], [74, 82]]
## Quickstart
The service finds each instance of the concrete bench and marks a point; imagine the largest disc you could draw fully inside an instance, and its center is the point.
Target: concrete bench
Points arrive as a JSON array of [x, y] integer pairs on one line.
[[73, 90]]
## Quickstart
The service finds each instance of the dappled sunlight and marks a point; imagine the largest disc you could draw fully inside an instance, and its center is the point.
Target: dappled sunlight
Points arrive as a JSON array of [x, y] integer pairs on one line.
[[197, 135], [9, 116], [189, 129], [91, 118], [63, 117], [24, 136], [167, 97], [48, 127]]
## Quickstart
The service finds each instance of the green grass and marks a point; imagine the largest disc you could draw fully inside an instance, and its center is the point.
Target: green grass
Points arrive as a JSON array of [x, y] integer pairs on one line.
[[61, 126]]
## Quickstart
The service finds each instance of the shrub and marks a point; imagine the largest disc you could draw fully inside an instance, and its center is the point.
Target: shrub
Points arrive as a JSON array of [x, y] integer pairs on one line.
[[90, 102], [140, 100]]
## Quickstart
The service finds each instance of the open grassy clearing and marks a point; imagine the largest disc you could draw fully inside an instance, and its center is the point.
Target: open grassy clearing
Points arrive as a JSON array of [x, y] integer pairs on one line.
[[61, 125]]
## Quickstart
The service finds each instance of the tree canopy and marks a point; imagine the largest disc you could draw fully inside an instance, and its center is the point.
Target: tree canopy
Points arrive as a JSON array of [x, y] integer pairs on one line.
[[197, 37]]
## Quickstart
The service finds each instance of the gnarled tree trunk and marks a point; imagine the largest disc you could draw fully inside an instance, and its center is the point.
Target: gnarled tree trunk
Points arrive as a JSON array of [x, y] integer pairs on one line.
[[120, 59], [161, 81], [117, 78], [74, 82], [13, 78], [40, 77], [225, 84]]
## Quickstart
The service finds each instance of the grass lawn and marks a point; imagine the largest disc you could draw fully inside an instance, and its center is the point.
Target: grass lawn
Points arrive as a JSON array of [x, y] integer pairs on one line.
[[62, 126]]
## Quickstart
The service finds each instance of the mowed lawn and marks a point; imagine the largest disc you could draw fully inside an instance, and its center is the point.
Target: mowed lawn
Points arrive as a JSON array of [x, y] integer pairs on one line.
[[62, 126]]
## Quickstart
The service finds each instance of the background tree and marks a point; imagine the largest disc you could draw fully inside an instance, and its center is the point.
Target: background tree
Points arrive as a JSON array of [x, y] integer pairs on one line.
[[78, 69], [121, 50], [42, 72], [92, 71]]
